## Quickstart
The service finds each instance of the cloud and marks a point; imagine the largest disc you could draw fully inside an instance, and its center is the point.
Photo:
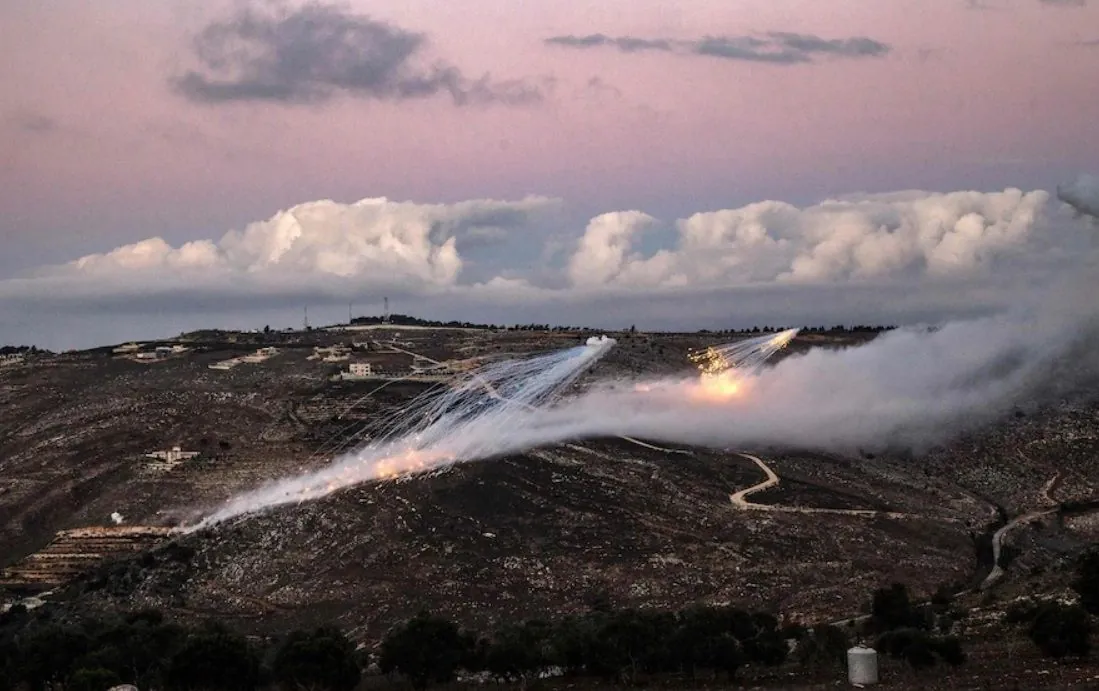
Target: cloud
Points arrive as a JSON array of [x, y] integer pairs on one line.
[[911, 235], [33, 122], [898, 257], [1082, 195], [370, 243], [314, 52], [1065, 3], [777, 47]]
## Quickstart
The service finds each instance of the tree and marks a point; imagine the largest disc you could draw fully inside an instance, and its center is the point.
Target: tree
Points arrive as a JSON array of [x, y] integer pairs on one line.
[[891, 608], [519, 652], [426, 649], [323, 659]]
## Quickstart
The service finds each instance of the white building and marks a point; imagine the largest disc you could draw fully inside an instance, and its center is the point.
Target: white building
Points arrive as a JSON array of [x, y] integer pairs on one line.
[[173, 455], [360, 369], [11, 359]]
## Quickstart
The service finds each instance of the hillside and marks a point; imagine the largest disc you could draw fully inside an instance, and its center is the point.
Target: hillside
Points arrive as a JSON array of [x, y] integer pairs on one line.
[[540, 534]]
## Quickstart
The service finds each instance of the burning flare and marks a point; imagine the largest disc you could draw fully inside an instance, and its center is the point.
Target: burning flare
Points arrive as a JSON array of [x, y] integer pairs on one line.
[[726, 369]]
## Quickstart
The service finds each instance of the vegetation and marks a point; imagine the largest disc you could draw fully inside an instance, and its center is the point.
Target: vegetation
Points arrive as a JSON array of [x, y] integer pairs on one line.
[[46, 650], [1059, 630], [1086, 583], [905, 629]]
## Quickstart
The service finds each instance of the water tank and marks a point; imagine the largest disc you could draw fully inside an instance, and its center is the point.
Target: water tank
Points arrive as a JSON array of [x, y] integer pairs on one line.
[[862, 665]]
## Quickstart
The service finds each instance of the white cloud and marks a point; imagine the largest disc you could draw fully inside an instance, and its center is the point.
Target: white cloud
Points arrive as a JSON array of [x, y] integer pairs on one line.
[[904, 256], [909, 234], [375, 239], [604, 246]]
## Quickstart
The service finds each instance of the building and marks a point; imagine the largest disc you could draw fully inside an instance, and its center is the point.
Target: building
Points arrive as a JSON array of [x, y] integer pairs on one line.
[[127, 348], [173, 455], [11, 359], [260, 355], [163, 461], [360, 369]]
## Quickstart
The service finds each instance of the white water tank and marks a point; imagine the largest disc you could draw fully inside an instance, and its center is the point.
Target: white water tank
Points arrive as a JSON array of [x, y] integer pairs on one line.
[[862, 665]]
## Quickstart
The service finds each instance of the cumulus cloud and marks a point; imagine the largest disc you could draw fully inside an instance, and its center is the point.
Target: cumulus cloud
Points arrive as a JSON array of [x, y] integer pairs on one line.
[[1082, 195], [317, 51], [907, 256], [374, 242], [776, 47], [899, 235]]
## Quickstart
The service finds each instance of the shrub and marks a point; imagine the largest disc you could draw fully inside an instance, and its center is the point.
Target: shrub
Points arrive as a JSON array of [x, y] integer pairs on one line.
[[426, 649], [323, 659], [1060, 630], [1086, 584]]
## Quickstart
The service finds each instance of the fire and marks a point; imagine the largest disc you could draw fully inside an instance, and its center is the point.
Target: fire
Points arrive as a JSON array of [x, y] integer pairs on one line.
[[411, 461], [719, 386]]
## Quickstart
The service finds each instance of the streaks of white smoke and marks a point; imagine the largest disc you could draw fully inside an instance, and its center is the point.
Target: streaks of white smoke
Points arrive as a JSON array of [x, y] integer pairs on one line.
[[475, 418], [909, 388]]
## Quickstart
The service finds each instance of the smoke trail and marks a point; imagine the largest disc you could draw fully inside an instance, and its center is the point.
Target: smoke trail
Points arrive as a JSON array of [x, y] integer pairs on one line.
[[910, 388], [464, 422]]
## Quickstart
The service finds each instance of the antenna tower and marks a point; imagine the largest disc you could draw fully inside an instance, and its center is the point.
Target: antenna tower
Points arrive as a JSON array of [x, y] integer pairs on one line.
[[385, 317]]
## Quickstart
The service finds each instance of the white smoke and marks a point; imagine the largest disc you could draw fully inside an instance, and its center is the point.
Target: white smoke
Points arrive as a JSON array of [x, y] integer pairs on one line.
[[910, 388], [117, 518]]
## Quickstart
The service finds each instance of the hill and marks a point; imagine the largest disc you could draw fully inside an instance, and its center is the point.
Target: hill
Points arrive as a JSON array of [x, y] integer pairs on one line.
[[540, 534]]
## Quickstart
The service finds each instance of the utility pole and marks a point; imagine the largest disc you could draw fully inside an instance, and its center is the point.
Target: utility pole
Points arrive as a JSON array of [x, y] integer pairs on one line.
[[349, 314], [385, 317], [305, 321]]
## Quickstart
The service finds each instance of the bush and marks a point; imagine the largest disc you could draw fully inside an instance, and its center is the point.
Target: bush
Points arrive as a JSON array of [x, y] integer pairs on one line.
[[949, 648], [1061, 630], [426, 649], [920, 649], [1086, 584], [97, 679], [323, 659], [214, 658], [825, 647], [891, 609]]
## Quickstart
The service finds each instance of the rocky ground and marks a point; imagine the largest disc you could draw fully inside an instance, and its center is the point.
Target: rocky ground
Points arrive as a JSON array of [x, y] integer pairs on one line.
[[539, 534]]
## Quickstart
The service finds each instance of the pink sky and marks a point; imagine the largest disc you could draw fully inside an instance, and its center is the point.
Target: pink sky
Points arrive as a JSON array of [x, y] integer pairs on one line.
[[966, 98]]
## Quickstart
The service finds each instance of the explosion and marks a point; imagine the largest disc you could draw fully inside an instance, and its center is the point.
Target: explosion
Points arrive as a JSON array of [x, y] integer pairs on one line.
[[726, 370]]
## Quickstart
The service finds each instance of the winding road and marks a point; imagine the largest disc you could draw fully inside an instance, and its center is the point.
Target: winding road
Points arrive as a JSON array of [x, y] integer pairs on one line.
[[997, 571], [771, 479]]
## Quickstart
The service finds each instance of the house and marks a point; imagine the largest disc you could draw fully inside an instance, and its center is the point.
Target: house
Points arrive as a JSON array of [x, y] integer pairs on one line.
[[360, 369]]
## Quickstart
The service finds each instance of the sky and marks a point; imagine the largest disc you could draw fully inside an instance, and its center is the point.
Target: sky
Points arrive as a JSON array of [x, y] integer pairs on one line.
[[170, 164]]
